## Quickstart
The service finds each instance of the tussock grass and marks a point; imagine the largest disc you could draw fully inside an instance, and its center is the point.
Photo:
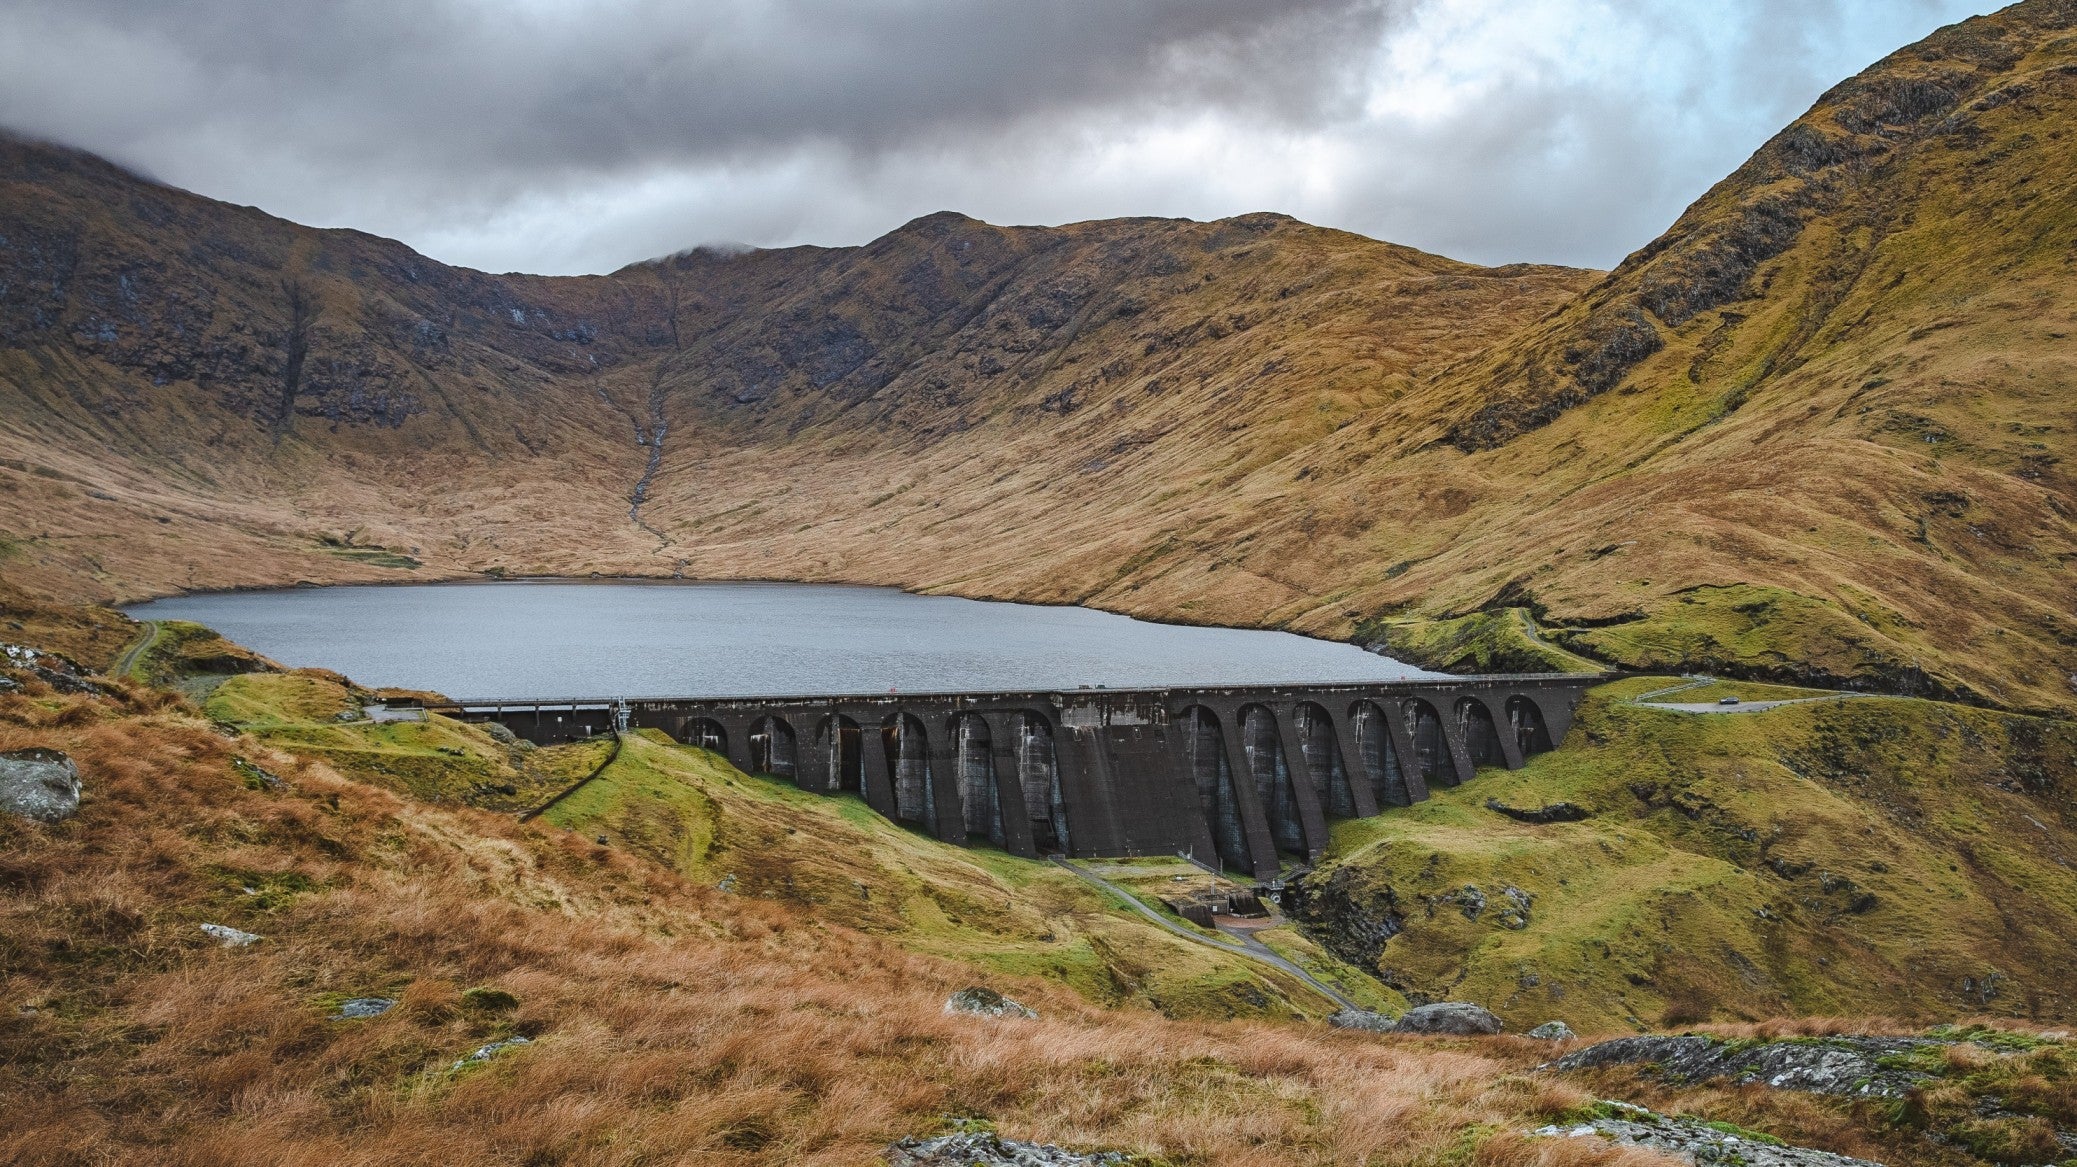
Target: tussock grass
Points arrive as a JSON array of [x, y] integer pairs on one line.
[[669, 1022]]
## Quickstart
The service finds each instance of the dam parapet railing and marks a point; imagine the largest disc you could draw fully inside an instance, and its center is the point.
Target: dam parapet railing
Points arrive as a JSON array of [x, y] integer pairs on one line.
[[1240, 776]]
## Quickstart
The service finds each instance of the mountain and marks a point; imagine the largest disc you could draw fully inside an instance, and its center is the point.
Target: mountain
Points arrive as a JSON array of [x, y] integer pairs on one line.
[[1817, 431], [285, 388]]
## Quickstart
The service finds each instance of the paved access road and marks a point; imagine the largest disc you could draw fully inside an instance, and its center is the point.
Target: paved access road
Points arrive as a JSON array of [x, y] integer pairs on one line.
[[1645, 701]]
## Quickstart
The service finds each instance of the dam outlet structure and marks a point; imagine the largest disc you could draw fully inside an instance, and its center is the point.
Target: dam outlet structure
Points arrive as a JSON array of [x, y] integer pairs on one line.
[[1243, 777]]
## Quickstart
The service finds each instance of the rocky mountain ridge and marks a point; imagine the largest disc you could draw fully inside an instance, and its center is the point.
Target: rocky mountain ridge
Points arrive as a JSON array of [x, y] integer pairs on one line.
[[1818, 431]]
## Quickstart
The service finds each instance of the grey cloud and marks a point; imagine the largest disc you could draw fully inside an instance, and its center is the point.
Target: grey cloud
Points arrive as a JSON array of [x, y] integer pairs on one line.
[[533, 89], [563, 135]]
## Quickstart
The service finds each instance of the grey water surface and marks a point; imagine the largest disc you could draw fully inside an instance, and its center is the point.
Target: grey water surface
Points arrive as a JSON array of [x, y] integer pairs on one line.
[[563, 638]]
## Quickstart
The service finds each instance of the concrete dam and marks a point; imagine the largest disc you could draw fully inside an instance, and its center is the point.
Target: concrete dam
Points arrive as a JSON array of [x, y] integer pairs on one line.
[[1234, 776]]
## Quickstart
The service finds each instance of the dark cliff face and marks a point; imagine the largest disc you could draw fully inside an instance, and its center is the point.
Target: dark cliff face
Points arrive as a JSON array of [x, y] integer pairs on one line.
[[268, 320], [938, 325]]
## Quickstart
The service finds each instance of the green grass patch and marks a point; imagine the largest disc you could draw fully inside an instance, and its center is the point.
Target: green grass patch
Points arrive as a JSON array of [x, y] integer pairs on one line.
[[689, 809], [438, 759], [1502, 641], [1837, 858]]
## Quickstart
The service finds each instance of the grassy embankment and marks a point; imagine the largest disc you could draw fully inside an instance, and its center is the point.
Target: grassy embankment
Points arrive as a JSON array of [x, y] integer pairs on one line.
[[1873, 856], [689, 811]]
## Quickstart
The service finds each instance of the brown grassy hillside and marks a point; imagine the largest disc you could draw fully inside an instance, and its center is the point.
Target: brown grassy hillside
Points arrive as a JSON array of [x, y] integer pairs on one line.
[[288, 403], [667, 1022], [1817, 430]]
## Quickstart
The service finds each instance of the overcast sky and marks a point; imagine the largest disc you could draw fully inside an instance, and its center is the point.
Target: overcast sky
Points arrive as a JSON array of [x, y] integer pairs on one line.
[[578, 135]]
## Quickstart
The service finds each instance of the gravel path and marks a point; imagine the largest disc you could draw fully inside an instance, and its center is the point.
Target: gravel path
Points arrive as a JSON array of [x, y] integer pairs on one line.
[[1248, 946], [135, 652]]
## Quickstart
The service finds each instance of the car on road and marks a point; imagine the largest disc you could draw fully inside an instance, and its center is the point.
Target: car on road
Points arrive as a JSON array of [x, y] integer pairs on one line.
[[1727, 700]]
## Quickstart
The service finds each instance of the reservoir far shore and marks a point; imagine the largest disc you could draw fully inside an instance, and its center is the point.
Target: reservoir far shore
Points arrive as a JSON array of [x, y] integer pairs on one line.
[[528, 639]]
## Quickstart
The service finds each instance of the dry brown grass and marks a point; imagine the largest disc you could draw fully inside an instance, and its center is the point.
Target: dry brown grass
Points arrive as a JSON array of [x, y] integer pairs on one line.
[[670, 1024]]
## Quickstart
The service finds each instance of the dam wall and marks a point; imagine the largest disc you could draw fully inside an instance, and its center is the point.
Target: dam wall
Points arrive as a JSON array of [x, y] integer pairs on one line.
[[1243, 777]]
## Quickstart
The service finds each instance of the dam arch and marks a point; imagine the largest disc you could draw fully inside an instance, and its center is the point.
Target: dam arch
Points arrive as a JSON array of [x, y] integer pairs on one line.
[[1480, 736], [1328, 771], [1270, 772], [838, 740], [1038, 781], [1532, 734], [1383, 761], [707, 734], [772, 747], [907, 746], [1205, 760], [974, 774]]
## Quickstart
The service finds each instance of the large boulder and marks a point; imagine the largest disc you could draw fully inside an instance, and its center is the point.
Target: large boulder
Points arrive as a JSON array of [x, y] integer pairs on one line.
[[1553, 1031], [39, 784], [980, 1002], [1361, 1019], [1455, 1018]]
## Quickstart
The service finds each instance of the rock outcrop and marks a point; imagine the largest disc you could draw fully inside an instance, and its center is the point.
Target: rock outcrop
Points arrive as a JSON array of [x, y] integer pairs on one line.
[[1556, 812], [230, 937], [1454, 1018], [1852, 1066], [979, 1002], [1701, 1143], [19, 662], [1361, 1019], [39, 784]]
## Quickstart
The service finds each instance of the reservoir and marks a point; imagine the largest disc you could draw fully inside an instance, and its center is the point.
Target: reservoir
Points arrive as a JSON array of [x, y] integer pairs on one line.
[[527, 639]]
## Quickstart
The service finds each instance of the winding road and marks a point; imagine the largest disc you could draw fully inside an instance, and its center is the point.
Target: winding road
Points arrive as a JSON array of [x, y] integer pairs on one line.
[[127, 662], [1645, 701]]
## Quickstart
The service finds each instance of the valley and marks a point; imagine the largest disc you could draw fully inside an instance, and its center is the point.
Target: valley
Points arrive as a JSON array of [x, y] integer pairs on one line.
[[1783, 441], [1784, 498]]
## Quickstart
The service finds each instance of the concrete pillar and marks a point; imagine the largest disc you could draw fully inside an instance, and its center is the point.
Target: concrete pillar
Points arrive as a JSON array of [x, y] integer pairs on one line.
[[736, 727], [1254, 821], [1460, 754], [1403, 745], [1503, 728], [1305, 785], [1005, 731], [814, 769], [947, 821], [1350, 744], [876, 781]]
